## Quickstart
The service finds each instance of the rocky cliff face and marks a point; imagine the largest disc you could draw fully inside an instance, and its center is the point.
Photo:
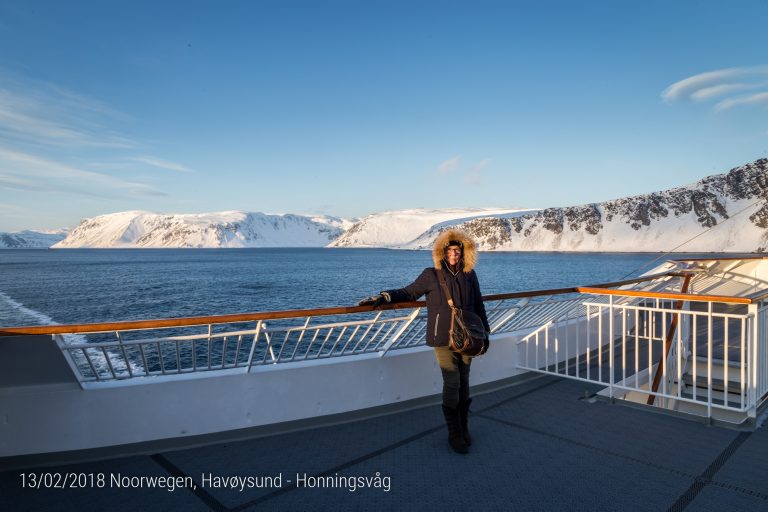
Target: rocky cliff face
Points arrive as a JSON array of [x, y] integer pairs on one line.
[[732, 208]]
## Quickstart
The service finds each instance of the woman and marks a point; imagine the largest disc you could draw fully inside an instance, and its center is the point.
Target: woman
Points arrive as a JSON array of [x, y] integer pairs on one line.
[[455, 254]]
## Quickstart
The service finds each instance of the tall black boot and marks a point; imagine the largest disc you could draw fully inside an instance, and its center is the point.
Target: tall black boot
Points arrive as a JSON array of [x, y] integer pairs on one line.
[[455, 437], [464, 420]]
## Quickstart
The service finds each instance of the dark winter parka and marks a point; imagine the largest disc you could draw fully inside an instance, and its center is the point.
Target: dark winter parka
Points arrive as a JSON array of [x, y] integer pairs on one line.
[[464, 288]]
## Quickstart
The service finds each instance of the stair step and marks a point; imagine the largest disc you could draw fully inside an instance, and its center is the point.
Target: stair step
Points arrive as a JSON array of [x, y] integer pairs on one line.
[[717, 384], [718, 397]]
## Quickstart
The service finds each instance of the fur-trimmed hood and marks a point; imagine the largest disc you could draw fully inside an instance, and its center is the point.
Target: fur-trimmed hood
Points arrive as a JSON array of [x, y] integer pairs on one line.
[[470, 249]]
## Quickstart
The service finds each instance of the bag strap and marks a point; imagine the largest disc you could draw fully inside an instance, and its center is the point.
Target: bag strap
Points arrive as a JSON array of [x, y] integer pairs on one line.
[[441, 278]]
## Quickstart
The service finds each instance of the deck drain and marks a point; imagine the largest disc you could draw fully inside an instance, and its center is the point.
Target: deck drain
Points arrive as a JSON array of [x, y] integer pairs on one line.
[[588, 397]]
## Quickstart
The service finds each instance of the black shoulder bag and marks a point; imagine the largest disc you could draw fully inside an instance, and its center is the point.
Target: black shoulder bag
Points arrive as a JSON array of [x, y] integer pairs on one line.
[[467, 335]]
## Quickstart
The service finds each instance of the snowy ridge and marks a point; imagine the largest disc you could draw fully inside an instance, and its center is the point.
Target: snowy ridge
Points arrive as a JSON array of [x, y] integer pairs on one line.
[[31, 239], [657, 222], [400, 227], [210, 230]]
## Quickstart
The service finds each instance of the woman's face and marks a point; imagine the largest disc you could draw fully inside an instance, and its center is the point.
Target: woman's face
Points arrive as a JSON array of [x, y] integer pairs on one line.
[[452, 254]]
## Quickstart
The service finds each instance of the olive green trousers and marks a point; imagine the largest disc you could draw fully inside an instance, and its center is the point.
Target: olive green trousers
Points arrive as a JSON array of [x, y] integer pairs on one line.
[[455, 370]]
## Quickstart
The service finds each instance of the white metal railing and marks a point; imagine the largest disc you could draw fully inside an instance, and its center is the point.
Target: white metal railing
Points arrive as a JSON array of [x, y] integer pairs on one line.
[[171, 351], [759, 349], [236, 342], [715, 356], [133, 353], [512, 315]]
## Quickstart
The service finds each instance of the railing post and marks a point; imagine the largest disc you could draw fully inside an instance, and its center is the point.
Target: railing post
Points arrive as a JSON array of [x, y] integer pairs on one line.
[[694, 336], [567, 328], [504, 318], [125, 356], [588, 336], [679, 363], [578, 347], [62, 344], [742, 365], [399, 332], [253, 346], [710, 338], [763, 353], [637, 349], [527, 352], [610, 346], [725, 362], [754, 360], [210, 344], [600, 311], [624, 345]]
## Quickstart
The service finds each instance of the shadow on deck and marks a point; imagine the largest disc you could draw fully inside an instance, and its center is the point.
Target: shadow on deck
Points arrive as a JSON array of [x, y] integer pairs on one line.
[[538, 445]]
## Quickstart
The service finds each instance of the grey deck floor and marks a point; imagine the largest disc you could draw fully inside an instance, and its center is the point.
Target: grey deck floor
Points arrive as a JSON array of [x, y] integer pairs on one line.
[[538, 446]]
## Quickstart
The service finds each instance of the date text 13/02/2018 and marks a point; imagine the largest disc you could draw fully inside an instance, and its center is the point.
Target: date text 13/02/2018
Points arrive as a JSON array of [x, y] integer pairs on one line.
[[56, 480]]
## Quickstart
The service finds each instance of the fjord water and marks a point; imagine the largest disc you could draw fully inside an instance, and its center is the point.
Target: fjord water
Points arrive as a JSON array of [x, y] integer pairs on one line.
[[83, 286]]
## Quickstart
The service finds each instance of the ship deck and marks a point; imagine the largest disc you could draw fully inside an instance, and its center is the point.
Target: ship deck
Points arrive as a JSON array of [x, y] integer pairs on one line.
[[542, 444]]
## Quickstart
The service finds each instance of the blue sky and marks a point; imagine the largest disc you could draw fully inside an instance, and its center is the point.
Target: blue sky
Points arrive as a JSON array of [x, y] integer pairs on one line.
[[348, 107]]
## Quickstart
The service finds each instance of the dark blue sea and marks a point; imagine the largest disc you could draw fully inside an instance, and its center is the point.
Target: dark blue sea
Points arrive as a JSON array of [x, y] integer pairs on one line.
[[40, 287]]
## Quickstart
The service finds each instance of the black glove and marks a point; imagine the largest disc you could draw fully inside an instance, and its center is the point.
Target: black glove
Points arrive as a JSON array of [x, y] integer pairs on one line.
[[375, 300]]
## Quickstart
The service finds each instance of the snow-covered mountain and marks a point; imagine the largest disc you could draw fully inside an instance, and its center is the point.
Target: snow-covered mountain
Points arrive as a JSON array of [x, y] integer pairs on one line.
[[728, 211], [31, 239], [401, 227], [721, 213], [224, 229]]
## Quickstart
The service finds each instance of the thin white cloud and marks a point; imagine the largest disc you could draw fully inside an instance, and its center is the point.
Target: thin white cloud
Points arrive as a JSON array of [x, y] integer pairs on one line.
[[473, 176], [44, 127], [122, 166], [754, 99], [18, 183], [162, 164], [687, 87], [29, 172], [723, 85], [58, 118], [449, 165], [709, 93]]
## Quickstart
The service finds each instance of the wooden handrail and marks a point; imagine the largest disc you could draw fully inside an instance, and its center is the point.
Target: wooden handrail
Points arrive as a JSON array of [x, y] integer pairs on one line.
[[758, 296], [576, 289], [195, 320], [297, 313], [667, 295]]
